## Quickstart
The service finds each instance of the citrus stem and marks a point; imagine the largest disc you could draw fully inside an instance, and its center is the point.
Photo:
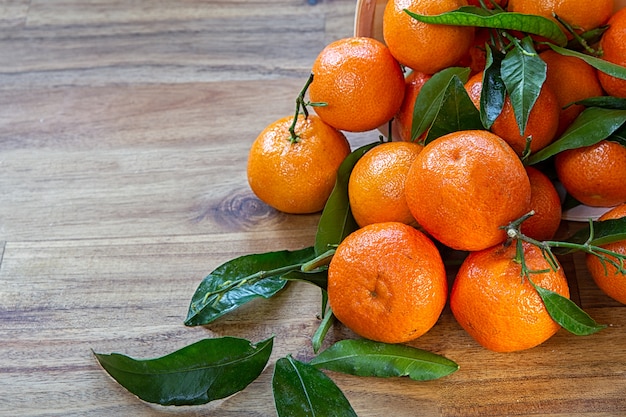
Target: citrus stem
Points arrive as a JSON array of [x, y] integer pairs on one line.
[[575, 35], [300, 105], [322, 260]]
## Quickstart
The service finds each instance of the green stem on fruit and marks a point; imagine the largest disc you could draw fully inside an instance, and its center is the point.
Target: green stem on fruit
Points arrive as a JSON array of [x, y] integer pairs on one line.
[[301, 106], [581, 41]]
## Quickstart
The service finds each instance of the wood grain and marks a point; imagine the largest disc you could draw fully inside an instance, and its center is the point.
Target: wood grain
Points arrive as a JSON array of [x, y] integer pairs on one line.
[[124, 131]]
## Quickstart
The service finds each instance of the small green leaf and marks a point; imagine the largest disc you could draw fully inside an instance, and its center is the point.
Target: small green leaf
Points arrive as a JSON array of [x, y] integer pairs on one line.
[[478, 17], [241, 280], [336, 221], [301, 390], [322, 330], [428, 101], [567, 314], [604, 232], [196, 374], [493, 94], [605, 102], [456, 112], [590, 127], [368, 358], [523, 73], [605, 66]]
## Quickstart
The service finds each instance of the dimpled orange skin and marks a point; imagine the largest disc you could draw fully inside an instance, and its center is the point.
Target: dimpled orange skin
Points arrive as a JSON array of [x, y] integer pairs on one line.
[[376, 184], [361, 83], [296, 177], [613, 45], [594, 175], [420, 46], [499, 309], [571, 79], [464, 186], [582, 15], [387, 282], [610, 281], [546, 203], [542, 124]]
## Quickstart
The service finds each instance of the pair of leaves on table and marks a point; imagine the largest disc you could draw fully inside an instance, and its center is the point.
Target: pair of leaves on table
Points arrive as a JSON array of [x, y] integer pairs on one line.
[[213, 369]]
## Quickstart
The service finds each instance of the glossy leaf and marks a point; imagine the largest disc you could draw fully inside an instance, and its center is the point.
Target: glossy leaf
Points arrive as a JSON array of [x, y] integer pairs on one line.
[[478, 17], [196, 374], [336, 221], [241, 280], [604, 232], [605, 102], [368, 358], [319, 278], [523, 74], [322, 330], [428, 101], [493, 94], [605, 66], [590, 127], [567, 314], [301, 390], [456, 112]]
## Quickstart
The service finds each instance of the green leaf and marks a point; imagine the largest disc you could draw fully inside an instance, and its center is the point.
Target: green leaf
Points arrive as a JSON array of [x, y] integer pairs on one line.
[[368, 358], [604, 232], [605, 66], [456, 112], [301, 390], [590, 127], [322, 330], [336, 221], [493, 94], [523, 73], [478, 17], [241, 280], [196, 374], [567, 314], [428, 101], [605, 102], [319, 278]]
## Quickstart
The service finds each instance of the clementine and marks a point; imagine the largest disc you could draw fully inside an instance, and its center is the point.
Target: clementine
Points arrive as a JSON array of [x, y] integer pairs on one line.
[[296, 176], [464, 186], [404, 119], [546, 203], [496, 306], [360, 82], [613, 46], [387, 282], [376, 184]]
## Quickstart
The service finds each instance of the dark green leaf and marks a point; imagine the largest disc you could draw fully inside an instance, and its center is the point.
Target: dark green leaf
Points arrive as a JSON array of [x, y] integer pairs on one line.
[[606, 102], [605, 66], [336, 221], [196, 374], [478, 17], [523, 74], [590, 127], [241, 280], [428, 101], [604, 232], [368, 358], [493, 94], [301, 390], [319, 278], [567, 314], [457, 112]]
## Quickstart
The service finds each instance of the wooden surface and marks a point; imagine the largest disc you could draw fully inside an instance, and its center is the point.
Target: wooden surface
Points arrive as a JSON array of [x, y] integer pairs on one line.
[[124, 130]]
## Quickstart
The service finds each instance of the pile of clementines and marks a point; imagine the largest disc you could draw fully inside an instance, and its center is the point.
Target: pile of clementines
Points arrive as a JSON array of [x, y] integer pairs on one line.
[[454, 183]]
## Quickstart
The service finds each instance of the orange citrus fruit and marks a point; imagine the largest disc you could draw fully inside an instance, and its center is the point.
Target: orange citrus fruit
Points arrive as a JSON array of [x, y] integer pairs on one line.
[[542, 124], [606, 276], [376, 184], [387, 282], [546, 203], [613, 46], [296, 177], [421, 46], [497, 307], [360, 82], [464, 186], [488, 3], [404, 119], [571, 79], [581, 15], [594, 175]]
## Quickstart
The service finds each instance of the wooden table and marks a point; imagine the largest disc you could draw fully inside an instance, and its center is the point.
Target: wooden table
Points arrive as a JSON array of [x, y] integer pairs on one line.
[[124, 131]]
